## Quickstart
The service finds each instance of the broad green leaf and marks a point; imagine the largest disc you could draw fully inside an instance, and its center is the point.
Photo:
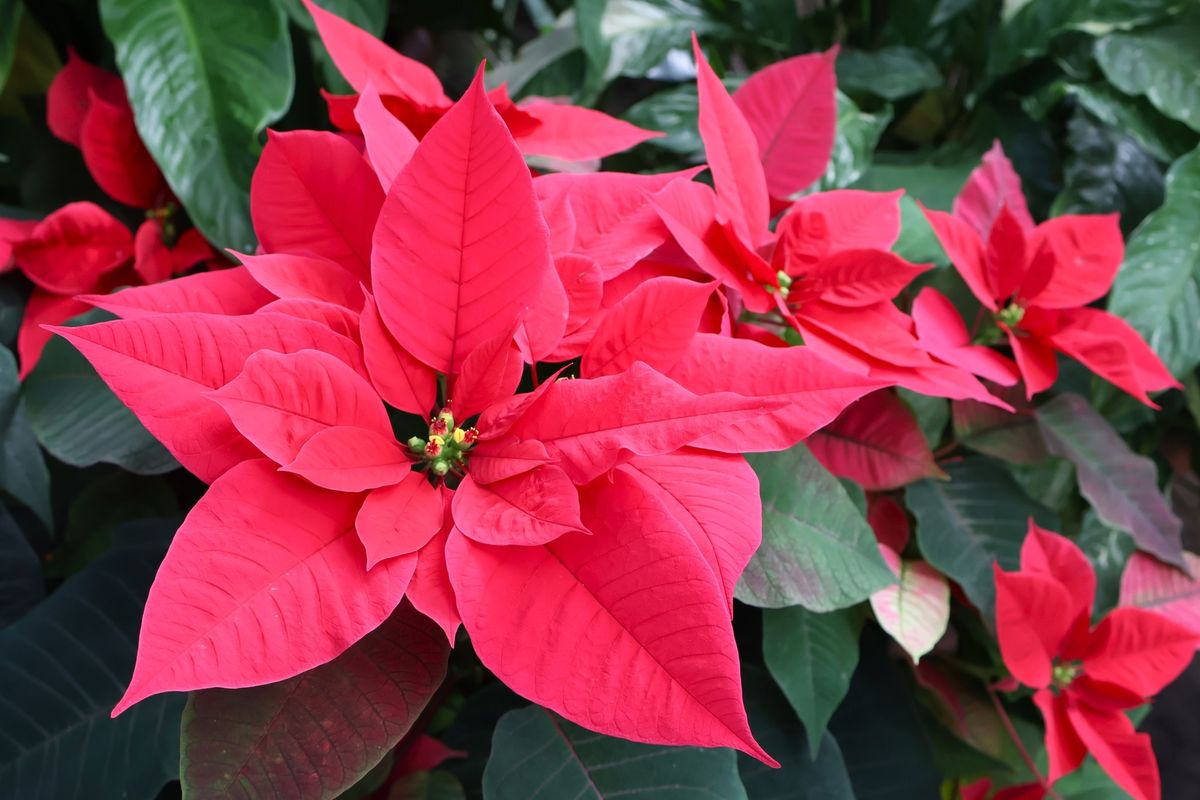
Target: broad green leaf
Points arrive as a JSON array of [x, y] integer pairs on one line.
[[801, 774], [205, 77], [812, 658], [316, 734], [935, 183], [858, 133], [21, 583], [917, 242], [891, 72], [472, 733], [977, 518], [1109, 551], [672, 111], [641, 32], [64, 665], [537, 755], [23, 472], [78, 419], [589, 16], [1120, 484], [1163, 138], [1162, 62], [10, 17], [536, 56], [1157, 290], [932, 414], [817, 549]]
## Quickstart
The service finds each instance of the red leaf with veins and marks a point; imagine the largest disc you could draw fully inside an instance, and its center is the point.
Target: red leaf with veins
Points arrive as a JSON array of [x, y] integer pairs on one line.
[[584, 623], [1064, 749], [263, 554], [993, 185], [653, 324], [491, 373], [116, 156], [1149, 583], [401, 380], [1122, 752], [347, 459], [461, 249], [1139, 650], [819, 225], [572, 133], [1033, 615], [430, 591], [70, 250], [70, 95], [399, 519], [304, 278], [390, 145], [532, 508], [42, 308]]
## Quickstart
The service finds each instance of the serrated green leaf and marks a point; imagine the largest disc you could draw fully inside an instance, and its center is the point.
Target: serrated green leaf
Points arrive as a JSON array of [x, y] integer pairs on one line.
[[205, 77], [1162, 62], [537, 755], [817, 549]]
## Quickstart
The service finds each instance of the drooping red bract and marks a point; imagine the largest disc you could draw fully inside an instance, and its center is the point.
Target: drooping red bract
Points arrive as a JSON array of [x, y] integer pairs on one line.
[[366, 437], [1086, 676]]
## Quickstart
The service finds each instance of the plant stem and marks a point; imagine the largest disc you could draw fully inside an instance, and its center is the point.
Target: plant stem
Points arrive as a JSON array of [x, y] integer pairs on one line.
[[1016, 740]]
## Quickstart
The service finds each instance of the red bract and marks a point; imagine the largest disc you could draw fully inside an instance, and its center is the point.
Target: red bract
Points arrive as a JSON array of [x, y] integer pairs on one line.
[[1036, 282], [1085, 675], [412, 93], [587, 534]]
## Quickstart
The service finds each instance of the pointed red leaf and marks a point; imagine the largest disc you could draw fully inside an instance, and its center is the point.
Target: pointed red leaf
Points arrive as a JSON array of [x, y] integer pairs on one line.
[[819, 225], [314, 194], [348, 459], [1088, 250], [1063, 747], [399, 519], [1123, 753], [991, 186], [461, 249], [263, 581], [403, 381], [152, 259], [859, 277], [653, 324], [70, 250], [163, 368], [1055, 556], [532, 508], [1033, 613], [116, 157], [390, 145], [585, 623], [941, 332], [13, 231], [338, 319], [1006, 256], [1139, 650], [70, 94], [791, 106], [965, 249], [42, 308], [572, 133], [290, 276], [1149, 583], [495, 461], [430, 591], [491, 373], [1111, 348], [889, 521]]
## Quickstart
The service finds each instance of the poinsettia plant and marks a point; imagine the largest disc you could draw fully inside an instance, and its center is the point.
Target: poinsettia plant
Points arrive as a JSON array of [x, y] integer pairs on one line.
[[628, 398]]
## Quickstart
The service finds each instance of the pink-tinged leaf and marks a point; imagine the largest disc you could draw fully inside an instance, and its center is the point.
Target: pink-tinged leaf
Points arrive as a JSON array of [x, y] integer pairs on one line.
[[964, 706], [791, 106], [163, 368], [1035, 360], [1046, 553], [1033, 614], [819, 225], [857, 278], [1111, 348], [430, 591], [993, 185], [421, 754], [1120, 484], [1139, 650], [70, 95], [314, 194], [1149, 583], [614, 224], [654, 324], [715, 498], [222, 291], [1088, 250], [916, 610], [403, 381], [279, 402], [532, 508], [732, 153], [263, 581], [1064, 748], [362, 59], [491, 373], [1122, 752], [941, 332], [348, 459], [811, 391], [116, 157], [399, 519], [152, 259], [496, 461], [338, 319], [586, 622], [41, 309], [889, 521], [876, 442], [69, 251], [315, 735], [461, 249], [290, 276], [572, 133], [390, 145], [594, 424], [1011, 435], [964, 246]]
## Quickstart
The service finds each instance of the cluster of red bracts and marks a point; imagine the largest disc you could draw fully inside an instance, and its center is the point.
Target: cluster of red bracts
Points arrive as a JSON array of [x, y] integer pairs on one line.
[[364, 394]]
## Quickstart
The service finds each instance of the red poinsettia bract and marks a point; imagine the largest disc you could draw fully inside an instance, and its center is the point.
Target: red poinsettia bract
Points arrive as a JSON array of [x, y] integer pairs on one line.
[[1036, 282], [1086, 676], [366, 440]]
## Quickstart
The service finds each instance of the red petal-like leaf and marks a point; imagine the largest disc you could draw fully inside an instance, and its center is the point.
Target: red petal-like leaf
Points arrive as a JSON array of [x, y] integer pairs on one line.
[[338, 319], [993, 185], [1036, 361], [1124, 754], [290, 276], [964, 246], [532, 508], [390, 145], [263, 581], [821, 224], [1063, 747], [943, 334], [496, 461], [430, 590], [403, 381], [461, 249], [1033, 614], [1139, 650], [347, 459], [889, 521], [585, 623], [1111, 348], [70, 95], [1055, 556], [860, 277], [1088, 250], [654, 324], [116, 157], [399, 519], [152, 259], [70, 250], [572, 133], [1149, 583], [492, 372], [42, 309]]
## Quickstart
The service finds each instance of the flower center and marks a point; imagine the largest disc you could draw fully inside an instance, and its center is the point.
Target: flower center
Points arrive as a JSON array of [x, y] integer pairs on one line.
[[446, 449], [1063, 674], [1011, 315]]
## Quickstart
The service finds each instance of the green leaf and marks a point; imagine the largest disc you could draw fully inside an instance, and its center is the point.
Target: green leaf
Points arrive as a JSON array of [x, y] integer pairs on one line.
[[640, 32], [435, 785], [537, 755], [589, 16], [472, 732], [812, 658], [23, 472], [934, 183], [977, 518], [1121, 485], [1109, 550], [205, 77], [801, 775], [1161, 62], [858, 133], [1163, 138], [535, 56], [891, 72], [64, 665], [10, 18], [78, 419], [21, 584], [1157, 290], [1012, 436], [314, 735], [672, 111], [817, 549], [931, 413]]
